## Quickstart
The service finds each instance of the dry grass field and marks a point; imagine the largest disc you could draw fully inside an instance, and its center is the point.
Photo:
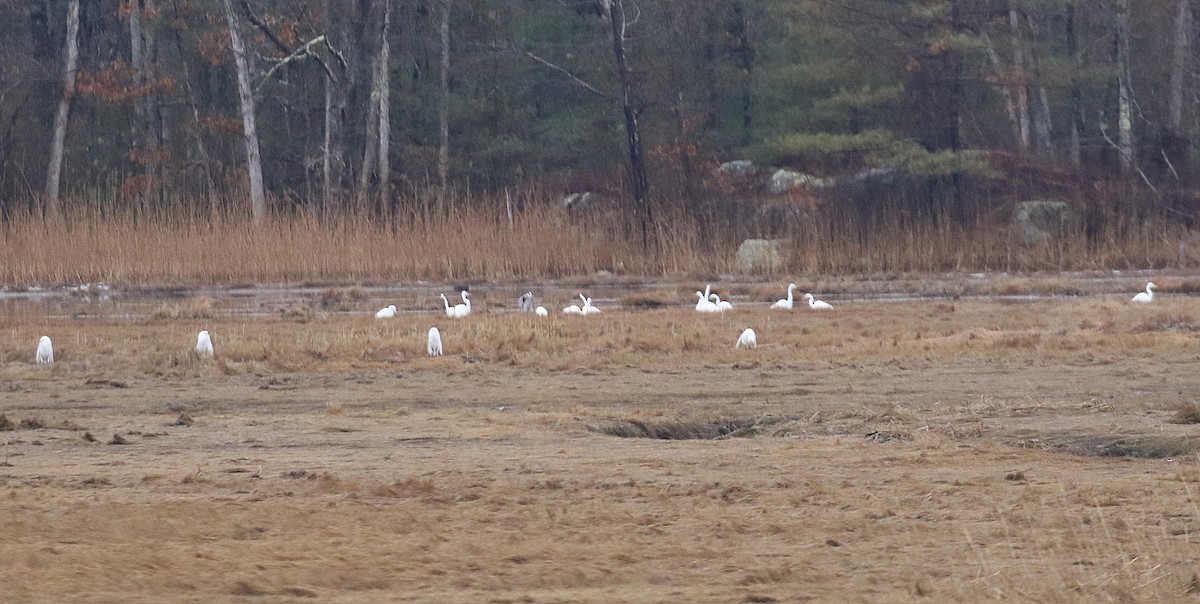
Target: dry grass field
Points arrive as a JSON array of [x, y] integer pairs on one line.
[[929, 450]]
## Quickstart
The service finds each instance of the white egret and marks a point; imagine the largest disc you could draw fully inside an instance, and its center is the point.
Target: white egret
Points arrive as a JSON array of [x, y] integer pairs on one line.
[[722, 306], [204, 346], [446, 303], [785, 303], [45, 352], [541, 311], [464, 309], [525, 302], [816, 304], [386, 313], [747, 339], [434, 347], [703, 304], [1148, 295]]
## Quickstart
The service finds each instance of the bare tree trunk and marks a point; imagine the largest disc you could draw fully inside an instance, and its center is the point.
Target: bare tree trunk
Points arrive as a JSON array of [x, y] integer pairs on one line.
[[1076, 96], [258, 204], [385, 114], [1006, 93], [638, 181], [1021, 85], [145, 140], [1124, 90], [1042, 124], [52, 202], [1181, 51], [444, 104], [370, 137]]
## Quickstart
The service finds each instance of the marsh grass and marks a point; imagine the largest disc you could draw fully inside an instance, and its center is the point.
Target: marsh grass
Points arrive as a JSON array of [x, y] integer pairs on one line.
[[475, 241]]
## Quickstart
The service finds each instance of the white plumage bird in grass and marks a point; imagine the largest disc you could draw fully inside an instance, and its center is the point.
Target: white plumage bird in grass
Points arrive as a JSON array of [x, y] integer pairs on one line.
[[722, 305], [816, 304], [541, 311], [703, 304], [525, 302], [463, 309], [787, 302], [588, 309], [434, 344], [446, 303], [387, 312], [1146, 296], [204, 345], [748, 339], [45, 352]]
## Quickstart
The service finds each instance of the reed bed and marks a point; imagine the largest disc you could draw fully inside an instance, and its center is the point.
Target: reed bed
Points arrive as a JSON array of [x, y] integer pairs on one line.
[[478, 240]]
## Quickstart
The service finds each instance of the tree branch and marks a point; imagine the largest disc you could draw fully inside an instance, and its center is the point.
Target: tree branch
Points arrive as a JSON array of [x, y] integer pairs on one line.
[[291, 55], [300, 53], [574, 79]]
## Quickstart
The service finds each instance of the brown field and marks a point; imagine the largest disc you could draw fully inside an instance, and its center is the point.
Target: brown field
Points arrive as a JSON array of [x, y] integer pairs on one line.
[[937, 450]]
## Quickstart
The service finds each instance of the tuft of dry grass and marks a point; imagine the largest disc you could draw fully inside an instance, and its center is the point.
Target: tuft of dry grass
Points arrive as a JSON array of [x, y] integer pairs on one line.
[[1187, 413]]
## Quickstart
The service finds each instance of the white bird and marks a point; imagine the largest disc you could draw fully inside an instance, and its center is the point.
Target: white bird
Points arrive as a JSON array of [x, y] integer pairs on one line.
[[588, 309], [446, 303], [204, 346], [45, 352], [464, 309], [785, 303], [573, 309], [1146, 296], [541, 311], [434, 347], [525, 302], [703, 304], [816, 304], [747, 339], [386, 313], [722, 306]]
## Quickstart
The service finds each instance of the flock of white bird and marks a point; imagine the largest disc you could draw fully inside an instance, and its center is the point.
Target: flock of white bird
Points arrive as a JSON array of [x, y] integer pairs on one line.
[[708, 302]]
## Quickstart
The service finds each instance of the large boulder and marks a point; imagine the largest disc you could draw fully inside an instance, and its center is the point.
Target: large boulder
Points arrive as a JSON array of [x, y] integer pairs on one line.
[[1040, 221], [784, 180], [760, 255], [738, 167]]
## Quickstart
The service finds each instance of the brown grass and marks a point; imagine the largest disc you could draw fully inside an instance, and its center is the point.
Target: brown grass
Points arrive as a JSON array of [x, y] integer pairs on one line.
[[882, 454]]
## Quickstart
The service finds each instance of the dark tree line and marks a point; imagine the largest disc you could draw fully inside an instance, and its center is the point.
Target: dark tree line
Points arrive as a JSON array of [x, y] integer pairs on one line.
[[391, 106]]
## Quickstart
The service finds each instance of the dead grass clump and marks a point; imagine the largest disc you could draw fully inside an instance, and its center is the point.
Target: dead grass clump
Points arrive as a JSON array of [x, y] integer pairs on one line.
[[1188, 413], [1170, 322], [117, 439], [6, 425], [342, 298], [685, 430], [31, 423], [650, 300], [183, 420], [1144, 447], [198, 307]]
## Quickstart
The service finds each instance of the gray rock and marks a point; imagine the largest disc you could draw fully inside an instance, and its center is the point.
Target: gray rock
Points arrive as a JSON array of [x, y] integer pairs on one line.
[[760, 255], [784, 180], [1040, 221], [738, 167], [577, 200]]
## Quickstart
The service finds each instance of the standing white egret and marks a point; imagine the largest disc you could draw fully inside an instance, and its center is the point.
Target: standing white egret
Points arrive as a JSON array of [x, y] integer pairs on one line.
[[45, 352], [525, 302], [386, 313], [785, 303], [703, 304], [747, 339], [1146, 296], [464, 309], [204, 346], [446, 303], [722, 306], [541, 311], [434, 347], [816, 304]]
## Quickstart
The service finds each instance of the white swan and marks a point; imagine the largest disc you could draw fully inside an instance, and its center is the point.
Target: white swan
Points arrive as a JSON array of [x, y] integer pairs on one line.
[[722, 306], [204, 346], [434, 346], [588, 309], [446, 303], [816, 304], [45, 352], [464, 309], [703, 304], [747, 339], [573, 309], [525, 302], [541, 311], [785, 303], [1146, 296], [386, 313]]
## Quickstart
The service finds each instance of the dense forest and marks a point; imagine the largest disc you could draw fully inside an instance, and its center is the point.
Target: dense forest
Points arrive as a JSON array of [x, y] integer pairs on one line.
[[400, 108]]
